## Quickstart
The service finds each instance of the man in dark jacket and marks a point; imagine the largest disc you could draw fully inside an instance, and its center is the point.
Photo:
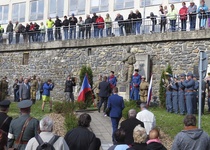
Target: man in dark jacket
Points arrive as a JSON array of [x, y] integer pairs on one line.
[[65, 27], [88, 23], [95, 26], [37, 32], [129, 124], [81, 138], [73, 23], [69, 89], [120, 19], [104, 93], [58, 24], [9, 31], [133, 18]]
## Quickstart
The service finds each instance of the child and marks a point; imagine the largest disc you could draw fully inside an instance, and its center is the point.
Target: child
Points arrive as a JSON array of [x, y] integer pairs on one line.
[[154, 142], [165, 10]]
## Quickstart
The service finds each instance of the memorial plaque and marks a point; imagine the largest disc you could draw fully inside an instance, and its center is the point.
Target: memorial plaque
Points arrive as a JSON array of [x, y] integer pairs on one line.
[[122, 89]]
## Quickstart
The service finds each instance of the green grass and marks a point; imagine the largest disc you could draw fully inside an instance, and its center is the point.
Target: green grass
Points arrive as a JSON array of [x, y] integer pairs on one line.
[[36, 110], [171, 124]]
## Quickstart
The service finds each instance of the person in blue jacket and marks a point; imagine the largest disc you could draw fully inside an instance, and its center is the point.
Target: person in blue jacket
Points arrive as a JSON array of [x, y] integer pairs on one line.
[[47, 87], [135, 83], [175, 95], [116, 106], [202, 11], [189, 84]]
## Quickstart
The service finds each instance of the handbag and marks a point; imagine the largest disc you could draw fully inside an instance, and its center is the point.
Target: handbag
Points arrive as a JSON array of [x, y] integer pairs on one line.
[[19, 139], [107, 111]]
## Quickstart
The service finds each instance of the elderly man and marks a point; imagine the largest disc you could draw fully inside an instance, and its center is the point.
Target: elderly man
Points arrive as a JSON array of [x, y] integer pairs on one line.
[[81, 138], [147, 117], [191, 138], [46, 135], [24, 127], [24, 90], [129, 124]]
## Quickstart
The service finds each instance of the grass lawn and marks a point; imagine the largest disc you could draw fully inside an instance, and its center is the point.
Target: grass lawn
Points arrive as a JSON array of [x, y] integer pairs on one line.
[[36, 110], [171, 124]]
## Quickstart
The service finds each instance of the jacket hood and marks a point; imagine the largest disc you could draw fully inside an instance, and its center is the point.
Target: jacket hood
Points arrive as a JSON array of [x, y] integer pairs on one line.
[[193, 134]]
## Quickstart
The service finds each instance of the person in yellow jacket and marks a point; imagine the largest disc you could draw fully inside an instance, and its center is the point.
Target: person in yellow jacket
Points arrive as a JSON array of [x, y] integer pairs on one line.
[[1, 33], [143, 89], [172, 15], [50, 25]]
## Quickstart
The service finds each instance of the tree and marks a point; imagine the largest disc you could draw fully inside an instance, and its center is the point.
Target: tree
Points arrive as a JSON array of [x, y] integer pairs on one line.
[[162, 90], [169, 69], [88, 96]]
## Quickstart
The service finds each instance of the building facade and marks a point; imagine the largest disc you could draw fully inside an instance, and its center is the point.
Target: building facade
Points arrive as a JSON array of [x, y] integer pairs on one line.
[[26, 11]]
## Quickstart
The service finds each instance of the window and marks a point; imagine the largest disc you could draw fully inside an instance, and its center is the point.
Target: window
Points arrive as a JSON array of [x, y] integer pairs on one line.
[[177, 1], [99, 5], [77, 7], [123, 4], [56, 8], [4, 14], [18, 12], [25, 58], [36, 10], [150, 2]]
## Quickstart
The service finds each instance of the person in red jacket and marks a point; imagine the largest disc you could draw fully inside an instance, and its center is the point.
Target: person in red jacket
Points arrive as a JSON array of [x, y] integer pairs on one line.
[[100, 23], [31, 32], [183, 16]]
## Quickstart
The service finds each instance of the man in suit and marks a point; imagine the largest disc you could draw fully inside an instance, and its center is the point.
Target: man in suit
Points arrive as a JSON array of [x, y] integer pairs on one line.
[[129, 124], [115, 105], [104, 92], [24, 91]]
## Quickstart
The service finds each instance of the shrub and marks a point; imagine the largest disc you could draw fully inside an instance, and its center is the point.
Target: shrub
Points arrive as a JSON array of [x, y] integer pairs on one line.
[[129, 105], [81, 105], [58, 107], [64, 107], [162, 90], [71, 121]]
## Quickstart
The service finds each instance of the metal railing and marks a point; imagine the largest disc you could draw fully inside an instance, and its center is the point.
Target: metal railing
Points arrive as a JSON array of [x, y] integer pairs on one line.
[[120, 28]]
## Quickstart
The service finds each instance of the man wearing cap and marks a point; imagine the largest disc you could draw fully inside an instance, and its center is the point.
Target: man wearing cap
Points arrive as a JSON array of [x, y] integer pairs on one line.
[[192, 9], [73, 22], [189, 84], [112, 80], [4, 118], [181, 95], [168, 82], [135, 83], [17, 124], [143, 89], [175, 95]]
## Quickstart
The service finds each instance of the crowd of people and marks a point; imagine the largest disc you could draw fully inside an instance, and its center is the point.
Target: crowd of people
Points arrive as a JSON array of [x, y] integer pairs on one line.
[[80, 28]]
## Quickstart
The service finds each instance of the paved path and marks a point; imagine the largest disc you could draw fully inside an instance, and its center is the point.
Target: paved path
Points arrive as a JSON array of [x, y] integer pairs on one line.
[[102, 128]]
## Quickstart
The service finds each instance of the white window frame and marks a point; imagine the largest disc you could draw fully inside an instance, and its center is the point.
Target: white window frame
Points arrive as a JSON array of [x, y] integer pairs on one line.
[[2, 20], [150, 4], [55, 12], [176, 1], [124, 2], [37, 13], [100, 6], [19, 17], [77, 11]]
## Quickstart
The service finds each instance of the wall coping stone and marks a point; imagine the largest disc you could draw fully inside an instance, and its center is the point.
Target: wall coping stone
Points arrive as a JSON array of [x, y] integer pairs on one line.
[[110, 41]]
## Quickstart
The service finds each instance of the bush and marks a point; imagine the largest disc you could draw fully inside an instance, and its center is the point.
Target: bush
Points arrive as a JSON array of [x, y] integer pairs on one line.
[[162, 90], [58, 107], [81, 105], [64, 107], [129, 105], [71, 121]]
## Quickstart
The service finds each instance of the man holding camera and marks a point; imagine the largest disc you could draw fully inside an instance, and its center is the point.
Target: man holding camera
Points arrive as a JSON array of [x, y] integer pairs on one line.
[[69, 89]]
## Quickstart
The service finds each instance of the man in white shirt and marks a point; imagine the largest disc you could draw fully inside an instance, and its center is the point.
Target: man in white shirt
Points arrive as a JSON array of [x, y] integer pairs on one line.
[[46, 127], [147, 117]]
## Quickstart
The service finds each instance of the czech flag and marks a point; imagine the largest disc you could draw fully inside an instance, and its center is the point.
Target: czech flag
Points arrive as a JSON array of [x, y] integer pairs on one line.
[[84, 89], [149, 95]]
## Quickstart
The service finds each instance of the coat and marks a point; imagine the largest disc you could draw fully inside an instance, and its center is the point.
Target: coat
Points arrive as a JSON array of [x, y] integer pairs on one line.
[[47, 88], [104, 89], [60, 144], [116, 106], [5, 127], [24, 91], [69, 86], [100, 22]]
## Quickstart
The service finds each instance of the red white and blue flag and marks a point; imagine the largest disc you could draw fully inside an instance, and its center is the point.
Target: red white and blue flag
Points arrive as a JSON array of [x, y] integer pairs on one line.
[[84, 89], [149, 97]]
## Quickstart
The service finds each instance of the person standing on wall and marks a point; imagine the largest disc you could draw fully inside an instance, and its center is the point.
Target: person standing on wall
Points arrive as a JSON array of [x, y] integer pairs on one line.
[[183, 16], [73, 23], [69, 89], [9, 31], [58, 25], [50, 25], [192, 9], [172, 14]]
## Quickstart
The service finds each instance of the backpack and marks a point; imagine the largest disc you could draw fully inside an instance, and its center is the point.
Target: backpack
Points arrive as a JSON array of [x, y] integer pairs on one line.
[[46, 145]]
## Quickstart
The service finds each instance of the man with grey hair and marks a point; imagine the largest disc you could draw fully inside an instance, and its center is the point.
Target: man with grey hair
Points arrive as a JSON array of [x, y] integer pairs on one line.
[[191, 138], [147, 117], [129, 124], [46, 128]]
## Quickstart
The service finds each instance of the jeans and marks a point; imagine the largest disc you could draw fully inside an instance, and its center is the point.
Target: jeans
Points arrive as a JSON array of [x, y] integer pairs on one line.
[[121, 30], [103, 100], [133, 27], [31, 36], [72, 31], [69, 96], [183, 24], [58, 34], [37, 36], [83, 33], [162, 25], [175, 102], [189, 98], [173, 25], [88, 33], [96, 32], [10, 37], [153, 27], [138, 25], [169, 105], [66, 30], [115, 123], [203, 22], [192, 19], [101, 32], [50, 34], [17, 38], [109, 31], [42, 37], [181, 102]]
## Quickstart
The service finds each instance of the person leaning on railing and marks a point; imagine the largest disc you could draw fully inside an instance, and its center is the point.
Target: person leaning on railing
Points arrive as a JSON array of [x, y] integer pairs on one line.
[[81, 25], [192, 9], [65, 27], [108, 22], [183, 16], [1, 33], [172, 14], [50, 25], [9, 31], [120, 19], [88, 24], [42, 32], [163, 19], [202, 14]]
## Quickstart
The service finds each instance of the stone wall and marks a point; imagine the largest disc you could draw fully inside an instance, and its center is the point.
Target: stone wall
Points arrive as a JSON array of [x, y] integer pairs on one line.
[[56, 60]]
